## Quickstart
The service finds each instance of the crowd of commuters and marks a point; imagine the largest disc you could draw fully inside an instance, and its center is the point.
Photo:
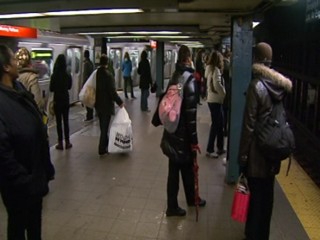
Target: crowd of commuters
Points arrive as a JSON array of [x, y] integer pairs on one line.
[[25, 166]]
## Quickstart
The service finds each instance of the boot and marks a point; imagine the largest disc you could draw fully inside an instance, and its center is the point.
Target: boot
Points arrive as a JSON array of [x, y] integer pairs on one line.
[[59, 146], [68, 144]]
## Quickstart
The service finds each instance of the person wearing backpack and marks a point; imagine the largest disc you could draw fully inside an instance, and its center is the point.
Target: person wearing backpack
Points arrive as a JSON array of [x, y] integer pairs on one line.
[[265, 89], [179, 145]]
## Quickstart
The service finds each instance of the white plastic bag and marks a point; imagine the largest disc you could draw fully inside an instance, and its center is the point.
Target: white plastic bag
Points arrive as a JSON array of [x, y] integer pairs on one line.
[[87, 94], [120, 136]]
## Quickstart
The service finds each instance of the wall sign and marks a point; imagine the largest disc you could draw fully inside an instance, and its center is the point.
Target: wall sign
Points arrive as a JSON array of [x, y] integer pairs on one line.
[[20, 32]]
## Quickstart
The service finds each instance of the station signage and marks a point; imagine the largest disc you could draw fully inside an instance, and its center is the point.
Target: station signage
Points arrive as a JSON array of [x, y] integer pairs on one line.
[[19, 32], [40, 54], [312, 10]]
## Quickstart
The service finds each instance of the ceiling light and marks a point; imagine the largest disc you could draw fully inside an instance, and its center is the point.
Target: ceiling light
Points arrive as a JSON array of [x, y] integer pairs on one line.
[[21, 15], [156, 32], [69, 13]]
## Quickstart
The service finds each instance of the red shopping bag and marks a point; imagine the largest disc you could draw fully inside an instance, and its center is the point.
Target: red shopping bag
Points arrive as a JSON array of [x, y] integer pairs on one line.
[[241, 200]]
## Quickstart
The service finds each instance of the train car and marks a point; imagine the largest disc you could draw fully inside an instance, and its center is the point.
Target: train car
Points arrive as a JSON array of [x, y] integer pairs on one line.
[[116, 51], [44, 51]]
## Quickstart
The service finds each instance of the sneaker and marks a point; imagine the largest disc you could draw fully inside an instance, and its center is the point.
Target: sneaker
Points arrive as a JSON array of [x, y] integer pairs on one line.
[[178, 212], [202, 203], [220, 152], [59, 146], [68, 145], [212, 155]]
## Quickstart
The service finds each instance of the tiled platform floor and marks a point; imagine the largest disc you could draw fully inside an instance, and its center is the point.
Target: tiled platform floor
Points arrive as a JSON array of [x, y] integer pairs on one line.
[[123, 197]]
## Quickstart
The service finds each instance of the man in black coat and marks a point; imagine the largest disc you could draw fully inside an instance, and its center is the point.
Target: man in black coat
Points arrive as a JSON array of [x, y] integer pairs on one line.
[[106, 95]]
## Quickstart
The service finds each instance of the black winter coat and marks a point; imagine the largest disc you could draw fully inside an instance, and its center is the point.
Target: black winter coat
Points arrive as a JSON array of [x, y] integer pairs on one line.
[[60, 83], [106, 93], [259, 106], [25, 166], [177, 145], [145, 74]]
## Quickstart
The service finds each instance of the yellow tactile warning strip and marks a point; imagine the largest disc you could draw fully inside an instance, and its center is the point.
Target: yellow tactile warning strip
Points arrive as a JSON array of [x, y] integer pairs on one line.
[[303, 195]]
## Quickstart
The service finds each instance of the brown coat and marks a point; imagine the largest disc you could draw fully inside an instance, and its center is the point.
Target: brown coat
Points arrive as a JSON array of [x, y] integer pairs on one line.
[[258, 106]]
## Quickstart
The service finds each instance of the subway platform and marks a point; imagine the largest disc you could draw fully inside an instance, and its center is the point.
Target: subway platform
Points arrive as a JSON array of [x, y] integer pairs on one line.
[[123, 196]]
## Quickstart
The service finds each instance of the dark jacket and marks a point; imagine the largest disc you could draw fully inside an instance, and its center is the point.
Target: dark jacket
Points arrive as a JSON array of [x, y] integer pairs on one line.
[[106, 93], [87, 70], [60, 83], [177, 145], [259, 106], [25, 166], [145, 74]]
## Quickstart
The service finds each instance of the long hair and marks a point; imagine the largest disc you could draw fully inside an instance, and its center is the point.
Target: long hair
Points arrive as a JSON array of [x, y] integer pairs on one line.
[[144, 55], [184, 54], [60, 64], [4, 59], [216, 60], [126, 55]]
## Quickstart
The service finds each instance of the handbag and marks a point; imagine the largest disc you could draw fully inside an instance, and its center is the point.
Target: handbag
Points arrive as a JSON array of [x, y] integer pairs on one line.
[[241, 200]]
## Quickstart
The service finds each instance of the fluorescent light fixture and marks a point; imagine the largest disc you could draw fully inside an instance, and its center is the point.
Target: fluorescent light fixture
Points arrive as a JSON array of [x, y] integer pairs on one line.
[[102, 33], [92, 12], [175, 37], [156, 32], [254, 24], [21, 15], [70, 13]]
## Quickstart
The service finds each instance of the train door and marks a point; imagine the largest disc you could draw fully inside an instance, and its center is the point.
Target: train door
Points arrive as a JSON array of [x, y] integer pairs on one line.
[[74, 67], [115, 56]]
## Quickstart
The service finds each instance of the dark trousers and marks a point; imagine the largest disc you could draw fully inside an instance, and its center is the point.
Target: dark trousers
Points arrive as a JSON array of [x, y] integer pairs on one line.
[[104, 121], [128, 80], [144, 99], [24, 217], [173, 183], [89, 113], [216, 129], [260, 208], [62, 112]]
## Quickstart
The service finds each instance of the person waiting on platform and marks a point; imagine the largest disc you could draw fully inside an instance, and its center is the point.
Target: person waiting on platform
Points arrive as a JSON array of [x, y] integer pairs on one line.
[[87, 70], [60, 83], [28, 76], [145, 80], [25, 166], [106, 95], [215, 97], [265, 84], [179, 145], [126, 73]]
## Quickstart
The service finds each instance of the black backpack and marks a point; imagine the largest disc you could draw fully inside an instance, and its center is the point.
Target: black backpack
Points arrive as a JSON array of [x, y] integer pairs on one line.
[[274, 136]]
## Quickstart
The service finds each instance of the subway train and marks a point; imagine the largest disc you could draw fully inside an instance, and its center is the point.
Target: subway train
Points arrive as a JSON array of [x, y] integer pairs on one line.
[[116, 51], [44, 51]]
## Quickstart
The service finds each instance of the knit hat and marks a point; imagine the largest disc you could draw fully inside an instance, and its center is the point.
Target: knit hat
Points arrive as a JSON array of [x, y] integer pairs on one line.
[[263, 53]]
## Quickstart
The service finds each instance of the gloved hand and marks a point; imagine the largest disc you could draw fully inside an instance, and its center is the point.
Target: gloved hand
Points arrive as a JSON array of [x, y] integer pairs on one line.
[[196, 148]]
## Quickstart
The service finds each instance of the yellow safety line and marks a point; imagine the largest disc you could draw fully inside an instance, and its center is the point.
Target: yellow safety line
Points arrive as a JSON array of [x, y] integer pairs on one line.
[[304, 197]]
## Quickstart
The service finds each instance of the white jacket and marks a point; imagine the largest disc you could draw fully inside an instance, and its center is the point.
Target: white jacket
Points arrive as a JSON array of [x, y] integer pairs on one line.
[[215, 87]]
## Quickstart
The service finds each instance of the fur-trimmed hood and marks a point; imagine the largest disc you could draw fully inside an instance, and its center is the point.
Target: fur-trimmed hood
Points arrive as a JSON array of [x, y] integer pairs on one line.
[[276, 83]]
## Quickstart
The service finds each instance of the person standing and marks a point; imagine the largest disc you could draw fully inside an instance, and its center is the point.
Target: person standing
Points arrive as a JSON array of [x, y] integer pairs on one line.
[[227, 84], [266, 86], [179, 146], [199, 74], [60, 84], [126, 73], [28, 76], [25, 166], [106, 95], [87, 70], [215, 97], [145, 80]]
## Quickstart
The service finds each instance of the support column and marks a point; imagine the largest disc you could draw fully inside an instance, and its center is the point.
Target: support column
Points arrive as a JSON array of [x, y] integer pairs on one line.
[[159, 67], [104, 46], [241, 76]]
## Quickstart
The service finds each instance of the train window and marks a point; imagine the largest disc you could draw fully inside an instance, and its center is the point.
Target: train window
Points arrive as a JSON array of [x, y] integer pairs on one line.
[[115, 56], [69, 60], [134, 56], [42, 61], [77, 59]]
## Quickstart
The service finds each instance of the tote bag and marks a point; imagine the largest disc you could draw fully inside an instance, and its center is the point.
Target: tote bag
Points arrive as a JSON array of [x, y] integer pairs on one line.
[[120, 136], [241, 200]]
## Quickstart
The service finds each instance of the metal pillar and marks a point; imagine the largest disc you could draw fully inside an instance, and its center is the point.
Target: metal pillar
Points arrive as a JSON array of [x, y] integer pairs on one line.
[[159, 67], [241, 75]]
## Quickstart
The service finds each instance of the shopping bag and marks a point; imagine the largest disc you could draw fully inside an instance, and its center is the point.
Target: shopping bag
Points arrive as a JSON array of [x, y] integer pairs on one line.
[[120, 136], [87, 94], [241, 200]]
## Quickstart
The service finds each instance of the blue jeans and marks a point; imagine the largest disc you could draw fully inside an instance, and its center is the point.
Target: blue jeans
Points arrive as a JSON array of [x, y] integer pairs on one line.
[[144, 99], [216, 129]]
